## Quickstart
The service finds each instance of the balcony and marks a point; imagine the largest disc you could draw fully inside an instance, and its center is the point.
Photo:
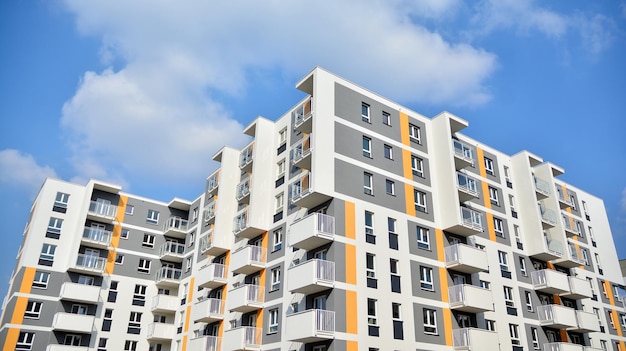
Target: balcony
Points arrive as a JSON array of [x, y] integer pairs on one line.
[[172, 251], [314, 230], [470, 223], [208, 311], [209, 246], [74, 323], [470, 298], [80, 293], [89, 264], [572, 259], [245, 298], [303, 117], [160, 332], [248, 259], [563, 202], [96, 237], [570, 226], [542, 188], [552, 249], [466, 259], [245, 158], [557, 316], [243, 191], [212, 276], [168, 276], [462, 155], [164, 304], [564, 346], [176, 227], [206, 343], [310, 326], [587, 322], [66, 348], [311, 276], [474, 339], [102, 211], [302, 193], [548, 217], [212, 183], [242, 227], [550, 281], [578, 289], [208, 213], [467, 187], [301, 154], [242, 339]]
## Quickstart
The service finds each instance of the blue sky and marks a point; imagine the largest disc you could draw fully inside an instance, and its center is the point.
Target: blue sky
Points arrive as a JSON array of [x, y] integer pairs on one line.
[[142, 93]]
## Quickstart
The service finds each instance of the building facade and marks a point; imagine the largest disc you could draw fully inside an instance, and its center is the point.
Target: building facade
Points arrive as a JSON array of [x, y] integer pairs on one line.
[[349, 223]]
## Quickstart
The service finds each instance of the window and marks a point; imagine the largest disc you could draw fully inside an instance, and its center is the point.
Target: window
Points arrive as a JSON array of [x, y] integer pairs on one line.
[[275, 279], [498, 227], [33, 309], [153, 217], [282, 136], [102, 344], [508, 296], [124, 233], [85, 280], [395, 311], [54, 228], [130, 345], [599, 266], [134, 323], [623, 320], [572, 199], [60, 202], [280, 200], [139, 297], [367, 147], [393, 236], [611, 320], [365, 112], [369, 227], [144, 266], [273, 321], [148, 240], [430, 321], [514, 333], [529, 301], [108, 319], [417, 166], [371, 312], [603, 345], [41, 280], [423, 238], [504, 265], [522, 266], [25, 341], [79, 309], [119, 259], [390, 187], [129, 210], [415, 133], [386, 119], [426, 278], [277, 236], [370, 265], [368, 186], [490, 324], [535, 337], [72, 339], [388, 151], [194, 214], [46, 257], [484, 284], [489, 166], [420, 201], [493, 196]]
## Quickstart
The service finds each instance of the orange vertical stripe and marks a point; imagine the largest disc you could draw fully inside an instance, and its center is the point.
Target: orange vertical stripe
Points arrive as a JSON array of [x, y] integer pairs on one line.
[[443, 282], [404, 129], [447, 325], [440, 245], [490, 227], [350, 230], [409, 197], [352, 345], [406, 164], [184, 348], [11, 340], [350, 264], [18, 311], [115, 236], [27, 280], [351, 312]]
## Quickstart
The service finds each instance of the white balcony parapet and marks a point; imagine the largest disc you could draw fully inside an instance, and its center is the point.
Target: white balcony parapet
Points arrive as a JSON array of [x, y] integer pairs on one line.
[[301, 187], [97, 236], [212, 276], [474, 339], [465, 258], [168, 274], [248, 259], [208, 213], [463, 152], [311, 276], [245, 298], [301, 150], [206, 343], [312, 231], [90, 263], [212, 182], [550, 281], [242, 338], [542, 186], [80, 292], [161, 331], [470, 298], [243, 189], [547, 216], [241, 221], [164, 303], [72, 322], [471, 219], [554, 246], [208, 310], [557, 316], [176, 224], [568, 224], [565, 346], [102, 209], [310, 325]]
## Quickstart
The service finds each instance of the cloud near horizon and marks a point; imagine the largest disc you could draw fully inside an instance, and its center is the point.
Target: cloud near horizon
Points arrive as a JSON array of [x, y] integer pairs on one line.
[[18, 169]]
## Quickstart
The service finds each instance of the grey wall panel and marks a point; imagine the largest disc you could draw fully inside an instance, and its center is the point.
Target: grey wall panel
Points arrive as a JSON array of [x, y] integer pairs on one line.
[[410, 239], [440, 338], [436, 293], [278, 293]]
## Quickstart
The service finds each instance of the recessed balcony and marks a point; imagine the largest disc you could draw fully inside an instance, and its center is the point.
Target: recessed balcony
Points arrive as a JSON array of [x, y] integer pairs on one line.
[[570, 226], [176, 227], [573, 257], [208, 311], [470, 298], [72, 322], [474, 339], [161, 332], [245, 298], [102, 211], [301, 153], [552, 249], [89, 264], [303, 117], [310, 326], [212, 276], [206, 343], [465, 258], [164, 304], [314, 230], [311, 276], [80, 293], [302, 191], [245, 158], [463, 155], [470, 223], [587, 322], [96, 237], [212, 183], [168, 277], [208, 212], [579, 289], [550, 281], [172, 251], [467, 187], [242, 227], [563, 202], [248, 259], [210, 246], [548, 217], [243, 191], [242, 339], [557, 316], [542, 188]]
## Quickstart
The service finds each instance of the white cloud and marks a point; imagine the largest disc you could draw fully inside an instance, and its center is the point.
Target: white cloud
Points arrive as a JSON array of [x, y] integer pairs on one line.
[[18, 169]]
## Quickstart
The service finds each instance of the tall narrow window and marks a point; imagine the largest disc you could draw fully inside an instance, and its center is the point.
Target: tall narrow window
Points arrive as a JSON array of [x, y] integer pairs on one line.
[[423, 238], [386, 119], [426, 278], [514, 333], [388, 151], [370, 265], [367, 147], [417, 166], [489, 166], [498, 227], [420, 201], [278, 239], [368, 183], [493, 196], [522, 266], [529, 301], [508, 296], [139, 297], [430, 321], [371, 312], [390, 187], [272, 326], [134, 323], [275, 279], [369, 227], [365, 112], [415, 134], [502, 259], [535, 337]]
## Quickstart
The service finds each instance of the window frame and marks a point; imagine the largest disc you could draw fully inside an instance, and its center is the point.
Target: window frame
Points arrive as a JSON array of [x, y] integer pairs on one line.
[[426, 278], [145, 268], [148, 240], [503, 261], [275, 279], [40, 280], [365, 112], [498, 227], [33, 309], [494, 198], [415, 133], [390, 187], [370, 265], [367, 146], [129, 210], [386, 118], [489, 166], [509, 299], [372, 319], [272, 321], [417, 166], [423, 238], [430, 321], [388, 151], [420, 200], [514, 334], [277, 239], [153, 217], [25, 341], [368, 189]]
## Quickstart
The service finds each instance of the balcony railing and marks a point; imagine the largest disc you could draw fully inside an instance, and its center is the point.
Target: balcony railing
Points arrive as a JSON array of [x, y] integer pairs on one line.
[[208, 310], [311, 276], [245, 158], [97, 236], [547, 216], [312, 231], [245, 298], [463, 153], [164, 304], [242, 338], [248, 259], [90, 263], [474, 339], [209, 212], [311, 326], [79, 292], [466, 185], [550, 281], [176, 224], [240, 222], [564, 346], [160, 331], [300, 152], [557, 316], [168, 274], [569, 225], [212, 276], [471, 219], [206, 343], [470, 298], [172, 250], [465, 258], [542, 187], [301, 187], [302, 114], [212, 182], [565, 201], [102, 209], [243, 189], [72, 322]]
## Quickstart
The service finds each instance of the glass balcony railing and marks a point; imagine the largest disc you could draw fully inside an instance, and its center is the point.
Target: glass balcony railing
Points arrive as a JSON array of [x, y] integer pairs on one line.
[[102, 209], [471, 218], [97, 235], [463, 151], [168, 273], [542, 186], [176, 223], [245, 158], [466, 184], [90, 262]]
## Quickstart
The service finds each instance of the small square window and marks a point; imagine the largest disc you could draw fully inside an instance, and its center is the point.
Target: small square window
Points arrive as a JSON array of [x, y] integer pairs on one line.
[[124, 233], [119, 259], [130, 209], [148, 240], [386, 119], [153, 217]]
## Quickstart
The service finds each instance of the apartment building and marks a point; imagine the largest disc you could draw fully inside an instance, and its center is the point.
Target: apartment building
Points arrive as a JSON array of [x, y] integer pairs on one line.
[[349, 223]]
